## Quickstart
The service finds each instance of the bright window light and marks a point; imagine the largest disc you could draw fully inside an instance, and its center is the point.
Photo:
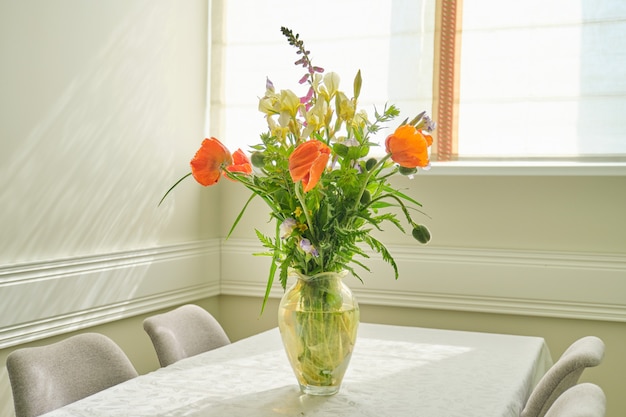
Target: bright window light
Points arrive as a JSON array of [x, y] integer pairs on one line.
[[390, 41], [543, 79]]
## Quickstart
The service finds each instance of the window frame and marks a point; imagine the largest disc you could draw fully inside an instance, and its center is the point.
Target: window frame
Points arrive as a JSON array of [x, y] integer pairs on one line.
[[446, 88]]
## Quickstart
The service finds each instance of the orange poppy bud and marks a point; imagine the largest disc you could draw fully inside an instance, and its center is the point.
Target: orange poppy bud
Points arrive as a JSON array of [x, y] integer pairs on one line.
[[409, 147], [241, 163], [307, 163], [209, 161]]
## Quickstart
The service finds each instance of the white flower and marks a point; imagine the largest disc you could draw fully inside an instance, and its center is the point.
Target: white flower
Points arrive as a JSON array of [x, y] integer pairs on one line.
[[287, 227]]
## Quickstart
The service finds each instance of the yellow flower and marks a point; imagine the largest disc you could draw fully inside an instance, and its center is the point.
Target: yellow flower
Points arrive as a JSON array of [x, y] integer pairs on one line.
[[269, 103], [289, 102], [315, 118], [360, 119], [345, 107], [331, 85]]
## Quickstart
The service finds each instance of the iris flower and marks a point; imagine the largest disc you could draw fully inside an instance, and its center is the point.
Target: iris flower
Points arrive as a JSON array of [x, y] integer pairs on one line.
[[306, 246], [286, 227]]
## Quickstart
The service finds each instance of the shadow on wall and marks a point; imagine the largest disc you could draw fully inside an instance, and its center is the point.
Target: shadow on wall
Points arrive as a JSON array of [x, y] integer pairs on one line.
[[86, 173], [95, 94]]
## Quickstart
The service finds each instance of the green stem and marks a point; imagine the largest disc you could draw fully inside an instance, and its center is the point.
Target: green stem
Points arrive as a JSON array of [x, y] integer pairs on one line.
[[309, 221], [367, 179], [304, 208]]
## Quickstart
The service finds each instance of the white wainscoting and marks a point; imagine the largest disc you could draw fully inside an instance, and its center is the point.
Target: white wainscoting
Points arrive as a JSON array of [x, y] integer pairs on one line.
[[42, 299], [550, 284]]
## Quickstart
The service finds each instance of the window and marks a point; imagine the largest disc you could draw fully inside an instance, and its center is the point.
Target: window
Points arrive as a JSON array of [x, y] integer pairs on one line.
[[542, 78], [390, 41], [504, 80]]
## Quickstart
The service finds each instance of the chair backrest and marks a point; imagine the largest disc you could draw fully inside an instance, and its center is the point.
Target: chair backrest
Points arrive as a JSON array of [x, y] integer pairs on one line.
[[185, 331], [583, 353], [582, 400], [45, 378]]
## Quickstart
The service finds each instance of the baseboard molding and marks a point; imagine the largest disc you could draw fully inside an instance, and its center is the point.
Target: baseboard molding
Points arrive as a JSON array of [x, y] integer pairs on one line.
[[533, 283], [71, 294]]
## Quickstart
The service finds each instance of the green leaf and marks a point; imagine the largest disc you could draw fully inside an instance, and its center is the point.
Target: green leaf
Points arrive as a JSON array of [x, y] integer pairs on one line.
[[266, 241], [400, 194], [340, 149], [172, 187], [381, 204], [380, 248], [245, 206], [275, 259], [268, 288]]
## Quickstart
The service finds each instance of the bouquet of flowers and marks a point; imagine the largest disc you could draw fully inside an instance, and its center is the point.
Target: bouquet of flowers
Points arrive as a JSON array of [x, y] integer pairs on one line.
[[314, 171]]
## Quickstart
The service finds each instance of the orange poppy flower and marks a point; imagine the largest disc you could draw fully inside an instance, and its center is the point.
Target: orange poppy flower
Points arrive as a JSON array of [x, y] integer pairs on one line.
[[409, 147], [241, 163], [209, 161], [307, 163]]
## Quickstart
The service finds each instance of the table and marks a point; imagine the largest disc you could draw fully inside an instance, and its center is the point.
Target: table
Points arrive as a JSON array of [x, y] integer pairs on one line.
[[395, 371]]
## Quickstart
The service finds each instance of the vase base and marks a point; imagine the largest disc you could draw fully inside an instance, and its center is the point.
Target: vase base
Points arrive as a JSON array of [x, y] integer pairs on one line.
[[320, 391]]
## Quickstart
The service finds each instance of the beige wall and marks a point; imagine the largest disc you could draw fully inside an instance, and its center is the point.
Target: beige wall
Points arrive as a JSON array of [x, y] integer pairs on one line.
[[102, 105], [579, 213]]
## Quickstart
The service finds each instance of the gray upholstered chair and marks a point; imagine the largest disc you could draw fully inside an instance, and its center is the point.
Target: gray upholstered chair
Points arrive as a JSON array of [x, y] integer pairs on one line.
[[583, 353], [45, 378], [185, 331], [582, 400]]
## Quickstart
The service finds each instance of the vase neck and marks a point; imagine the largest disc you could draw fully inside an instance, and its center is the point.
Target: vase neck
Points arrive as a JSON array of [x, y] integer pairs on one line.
[[318, 277]]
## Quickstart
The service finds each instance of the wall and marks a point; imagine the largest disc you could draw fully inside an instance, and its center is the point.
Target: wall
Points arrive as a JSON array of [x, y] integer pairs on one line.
[[103, 103], [506, 244], [102, 106]]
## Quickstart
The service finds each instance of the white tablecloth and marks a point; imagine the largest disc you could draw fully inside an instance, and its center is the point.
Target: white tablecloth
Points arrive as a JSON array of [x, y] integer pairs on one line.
[[395, 371]]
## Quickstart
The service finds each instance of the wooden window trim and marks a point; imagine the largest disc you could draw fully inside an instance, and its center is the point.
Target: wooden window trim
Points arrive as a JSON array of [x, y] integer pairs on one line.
[[446, 78]]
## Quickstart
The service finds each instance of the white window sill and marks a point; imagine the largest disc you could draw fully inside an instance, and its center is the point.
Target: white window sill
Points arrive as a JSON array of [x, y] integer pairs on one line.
[[528, 168]]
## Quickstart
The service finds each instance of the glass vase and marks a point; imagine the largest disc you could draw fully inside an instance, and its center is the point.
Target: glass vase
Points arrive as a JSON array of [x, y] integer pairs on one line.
[[318, 318]]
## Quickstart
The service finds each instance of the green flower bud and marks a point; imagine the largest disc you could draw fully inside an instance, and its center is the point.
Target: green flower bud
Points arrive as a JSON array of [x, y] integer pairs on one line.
[[358, 81], [370, 163], [407, 171], [258, 159], [421, 233]]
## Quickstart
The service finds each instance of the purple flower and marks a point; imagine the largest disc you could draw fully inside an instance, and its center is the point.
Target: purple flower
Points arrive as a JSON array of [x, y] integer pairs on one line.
[[430, 124], [286, 227], [305, 245]]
